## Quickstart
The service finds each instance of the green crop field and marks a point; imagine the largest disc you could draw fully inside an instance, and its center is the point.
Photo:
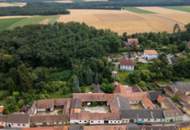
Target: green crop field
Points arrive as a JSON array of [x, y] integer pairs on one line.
[[137, 10], [180, 8], [6, 23], [11, 23]]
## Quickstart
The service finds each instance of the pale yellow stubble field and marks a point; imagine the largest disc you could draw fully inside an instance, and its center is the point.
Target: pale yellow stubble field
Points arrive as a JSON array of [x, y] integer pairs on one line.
[[125, 21]]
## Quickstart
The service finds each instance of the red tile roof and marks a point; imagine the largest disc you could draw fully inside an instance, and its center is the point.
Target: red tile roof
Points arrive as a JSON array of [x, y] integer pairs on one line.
[[106, 127], [160, 99], [46, 118], [1, 109], [150, 52], [47, 128], [134, 96], [18, 118], [45, 103], [126, 61], [120, 89], [147, 103], [85, 97]]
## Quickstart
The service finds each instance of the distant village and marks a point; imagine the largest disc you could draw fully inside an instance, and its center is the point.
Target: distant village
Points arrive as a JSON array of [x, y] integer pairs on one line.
[[127, 108]]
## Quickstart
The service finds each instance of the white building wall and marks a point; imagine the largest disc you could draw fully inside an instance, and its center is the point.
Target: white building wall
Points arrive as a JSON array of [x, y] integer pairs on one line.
[[126, 67], [150, 57], [115, 121], [79, 121], [125, 121], [41, 110], [96, 121], [3, 124], [18, 125]]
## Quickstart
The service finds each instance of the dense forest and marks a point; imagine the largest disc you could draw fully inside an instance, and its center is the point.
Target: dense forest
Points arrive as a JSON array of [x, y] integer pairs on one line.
[[34, 9], [42, 61]]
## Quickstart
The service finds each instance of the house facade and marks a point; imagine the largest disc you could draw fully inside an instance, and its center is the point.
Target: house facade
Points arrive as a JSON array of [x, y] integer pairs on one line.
[[150, 54], [126, 64], [2, 121], [18, 120]]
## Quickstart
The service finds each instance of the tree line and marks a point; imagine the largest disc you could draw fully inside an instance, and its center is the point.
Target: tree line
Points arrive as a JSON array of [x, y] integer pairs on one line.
[[34, 9]]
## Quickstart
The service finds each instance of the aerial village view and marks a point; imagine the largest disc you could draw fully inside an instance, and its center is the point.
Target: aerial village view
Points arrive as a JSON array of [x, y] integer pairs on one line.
[[95, 65]]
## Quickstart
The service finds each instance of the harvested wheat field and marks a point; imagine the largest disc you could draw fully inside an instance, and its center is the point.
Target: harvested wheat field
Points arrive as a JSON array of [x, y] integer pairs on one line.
[[177, 16], [126, 21]]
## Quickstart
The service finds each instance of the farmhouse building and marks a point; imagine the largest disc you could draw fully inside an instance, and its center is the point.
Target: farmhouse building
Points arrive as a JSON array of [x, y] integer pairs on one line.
[[125, 105], [111, 127], [84, 109], [150, 54], [171, 112], [143, 116], [18, 120], [47, 120], [180, 89], [126, 64]]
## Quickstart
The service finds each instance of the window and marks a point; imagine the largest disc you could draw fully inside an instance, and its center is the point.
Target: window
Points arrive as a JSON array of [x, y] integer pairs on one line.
[[106, 122]]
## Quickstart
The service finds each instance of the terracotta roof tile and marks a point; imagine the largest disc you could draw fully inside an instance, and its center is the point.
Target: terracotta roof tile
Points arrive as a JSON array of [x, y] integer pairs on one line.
[[147, 103], [1, 109], [126, 61], [47, 128], [46, 118], [45, 103], [106, 127], [109, 98], [150, 52], [18, 118]]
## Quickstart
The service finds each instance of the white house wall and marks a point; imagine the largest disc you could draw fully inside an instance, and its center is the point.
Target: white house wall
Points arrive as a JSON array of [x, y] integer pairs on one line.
[[18, 125], [126, 67]]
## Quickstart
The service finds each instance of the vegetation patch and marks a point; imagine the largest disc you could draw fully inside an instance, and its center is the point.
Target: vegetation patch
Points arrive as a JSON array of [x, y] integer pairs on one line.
[[180, 8], [37, 64], [6, 23], [137, 10], [11, 23]]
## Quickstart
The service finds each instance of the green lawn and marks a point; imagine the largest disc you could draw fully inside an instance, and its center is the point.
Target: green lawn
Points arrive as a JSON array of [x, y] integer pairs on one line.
[[180, 8], [137, 10], [6, 23], [34, 20], [122, 76], [19, 22]]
